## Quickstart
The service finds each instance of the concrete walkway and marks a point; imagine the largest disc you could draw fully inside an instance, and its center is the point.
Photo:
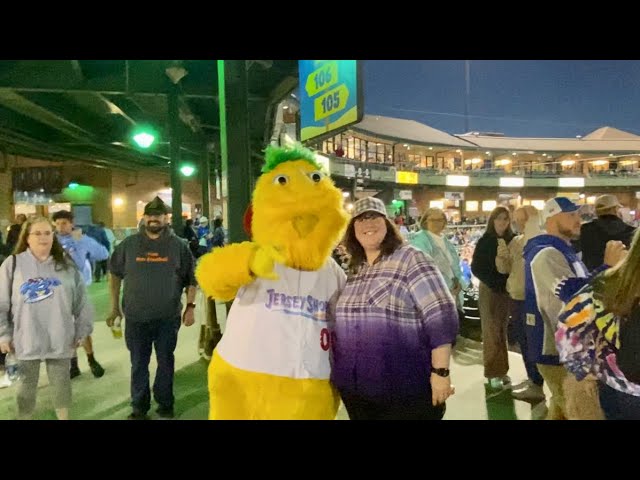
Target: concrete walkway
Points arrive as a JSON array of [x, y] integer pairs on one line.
[[107, 398]]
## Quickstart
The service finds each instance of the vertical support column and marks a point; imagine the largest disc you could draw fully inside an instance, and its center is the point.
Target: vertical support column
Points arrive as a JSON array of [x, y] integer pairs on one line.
[[174, 153], [234, 143], [205, 176], [467, 83]]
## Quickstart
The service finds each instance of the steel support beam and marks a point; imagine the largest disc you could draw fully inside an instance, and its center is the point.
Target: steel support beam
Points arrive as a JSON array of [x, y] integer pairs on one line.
[[234, 143], [205, 177], [174, 148]]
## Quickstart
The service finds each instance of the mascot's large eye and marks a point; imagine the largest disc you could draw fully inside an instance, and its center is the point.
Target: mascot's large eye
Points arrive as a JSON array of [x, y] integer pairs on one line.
[[281, 179], [316, 176]]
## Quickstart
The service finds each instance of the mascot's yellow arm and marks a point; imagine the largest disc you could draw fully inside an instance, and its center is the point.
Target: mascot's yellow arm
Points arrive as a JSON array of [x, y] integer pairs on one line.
[[222, 272]]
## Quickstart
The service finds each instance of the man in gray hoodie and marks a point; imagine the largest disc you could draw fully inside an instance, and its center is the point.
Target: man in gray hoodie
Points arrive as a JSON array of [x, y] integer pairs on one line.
[[156, 267]]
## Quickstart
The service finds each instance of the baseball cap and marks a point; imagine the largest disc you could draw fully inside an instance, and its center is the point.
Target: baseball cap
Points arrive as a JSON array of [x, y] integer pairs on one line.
[[156, 207], [604, 202], [203, 220], [369, 204], [557, 205]]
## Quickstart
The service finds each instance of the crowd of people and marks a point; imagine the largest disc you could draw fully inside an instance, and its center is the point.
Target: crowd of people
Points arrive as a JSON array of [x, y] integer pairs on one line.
[[45, 315], [569, 289], [562, 289]]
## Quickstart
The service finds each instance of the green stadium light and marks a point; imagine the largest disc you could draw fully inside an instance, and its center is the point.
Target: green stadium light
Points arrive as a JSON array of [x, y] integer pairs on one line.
[[187, 170], [144, 137]]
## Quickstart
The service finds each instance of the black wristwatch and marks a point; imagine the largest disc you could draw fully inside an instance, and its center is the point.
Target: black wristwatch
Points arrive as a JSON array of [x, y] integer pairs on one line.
[[441, 372], [191, 305]]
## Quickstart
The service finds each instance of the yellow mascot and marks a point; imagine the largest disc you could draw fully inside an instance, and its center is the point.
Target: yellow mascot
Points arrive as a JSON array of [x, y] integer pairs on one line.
[[273, 359]]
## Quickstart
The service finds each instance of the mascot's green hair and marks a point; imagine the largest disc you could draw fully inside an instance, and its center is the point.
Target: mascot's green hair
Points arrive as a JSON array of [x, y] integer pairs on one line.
[[274, 156]]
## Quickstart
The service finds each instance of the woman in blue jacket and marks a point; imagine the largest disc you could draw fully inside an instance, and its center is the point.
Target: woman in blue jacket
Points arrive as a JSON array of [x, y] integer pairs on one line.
[[431, 241]]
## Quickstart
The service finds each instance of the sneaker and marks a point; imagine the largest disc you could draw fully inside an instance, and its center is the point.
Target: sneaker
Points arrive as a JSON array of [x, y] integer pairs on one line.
[[74, 371], [522, 385], [96, 369], [534, 393], [138, 416], [165, 413], [5, 381]]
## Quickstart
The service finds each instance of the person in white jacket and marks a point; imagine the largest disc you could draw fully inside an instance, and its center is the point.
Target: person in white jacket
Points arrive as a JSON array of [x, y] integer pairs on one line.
[[44, 314]]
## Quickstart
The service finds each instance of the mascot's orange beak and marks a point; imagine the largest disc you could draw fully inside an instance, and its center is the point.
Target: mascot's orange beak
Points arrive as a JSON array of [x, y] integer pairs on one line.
[[304, 224]]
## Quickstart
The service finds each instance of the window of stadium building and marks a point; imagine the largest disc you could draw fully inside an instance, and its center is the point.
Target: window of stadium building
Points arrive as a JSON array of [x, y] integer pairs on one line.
[[377, 152], [359, 149]]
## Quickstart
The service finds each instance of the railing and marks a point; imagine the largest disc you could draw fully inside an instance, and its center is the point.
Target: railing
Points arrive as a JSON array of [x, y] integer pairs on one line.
[[482, 172]]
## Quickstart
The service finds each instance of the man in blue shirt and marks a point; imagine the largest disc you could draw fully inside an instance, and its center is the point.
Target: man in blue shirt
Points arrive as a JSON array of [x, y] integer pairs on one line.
[[82, 249]]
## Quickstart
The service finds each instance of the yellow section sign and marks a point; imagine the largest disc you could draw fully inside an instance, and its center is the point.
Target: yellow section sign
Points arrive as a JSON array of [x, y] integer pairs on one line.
[[330, 96], [322, 78], [331, 102], [407, 177]]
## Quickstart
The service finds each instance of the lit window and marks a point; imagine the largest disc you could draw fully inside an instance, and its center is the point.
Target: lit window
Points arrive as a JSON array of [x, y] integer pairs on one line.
[[488, 205]]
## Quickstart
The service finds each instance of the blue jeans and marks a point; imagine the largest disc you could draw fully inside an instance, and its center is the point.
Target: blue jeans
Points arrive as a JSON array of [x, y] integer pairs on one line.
[[518, 319], [617, 405], [141, 337]]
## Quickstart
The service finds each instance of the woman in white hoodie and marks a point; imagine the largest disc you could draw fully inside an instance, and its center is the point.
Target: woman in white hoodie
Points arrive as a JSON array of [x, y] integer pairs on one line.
[[44, 314]]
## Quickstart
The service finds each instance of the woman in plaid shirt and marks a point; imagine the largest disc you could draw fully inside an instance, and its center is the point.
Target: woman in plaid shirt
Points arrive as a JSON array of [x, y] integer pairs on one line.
[[393, 325]]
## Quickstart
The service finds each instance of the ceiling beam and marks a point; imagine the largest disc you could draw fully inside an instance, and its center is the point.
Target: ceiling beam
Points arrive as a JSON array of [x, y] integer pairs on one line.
[[115, 109], [77, 70], [83, 151], [115, 91], [18, 103]]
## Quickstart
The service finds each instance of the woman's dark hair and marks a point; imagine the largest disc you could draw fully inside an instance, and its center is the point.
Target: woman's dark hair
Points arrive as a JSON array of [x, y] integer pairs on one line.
[[217, 222], [491, 228], [60, 257], [391, 242]]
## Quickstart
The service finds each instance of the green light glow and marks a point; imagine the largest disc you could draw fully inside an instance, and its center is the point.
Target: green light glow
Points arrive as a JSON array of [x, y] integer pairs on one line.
[[187, 170], [144, 139]]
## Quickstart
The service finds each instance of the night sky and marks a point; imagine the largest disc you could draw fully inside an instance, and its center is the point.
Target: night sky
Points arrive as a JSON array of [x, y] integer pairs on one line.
[[527, 98]]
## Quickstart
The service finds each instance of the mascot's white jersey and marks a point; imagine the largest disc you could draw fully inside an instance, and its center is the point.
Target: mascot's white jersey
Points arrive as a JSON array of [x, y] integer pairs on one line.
[[279, 327]]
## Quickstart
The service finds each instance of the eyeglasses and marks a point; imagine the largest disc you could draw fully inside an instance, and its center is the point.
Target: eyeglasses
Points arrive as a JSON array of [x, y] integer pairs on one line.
[[37, 234], [368, 216]]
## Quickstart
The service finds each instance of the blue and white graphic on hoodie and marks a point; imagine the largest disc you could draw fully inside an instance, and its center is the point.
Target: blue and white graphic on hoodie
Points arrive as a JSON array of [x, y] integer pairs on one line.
[[37, 289]]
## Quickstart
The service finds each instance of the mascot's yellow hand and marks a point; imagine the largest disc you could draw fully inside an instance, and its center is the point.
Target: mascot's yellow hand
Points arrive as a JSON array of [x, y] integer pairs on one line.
[[263, 262]]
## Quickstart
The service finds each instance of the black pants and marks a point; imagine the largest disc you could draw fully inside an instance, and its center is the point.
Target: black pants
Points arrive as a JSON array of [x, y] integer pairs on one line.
[[141, 337], [361, 408], [617, 405], [101, 269]]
